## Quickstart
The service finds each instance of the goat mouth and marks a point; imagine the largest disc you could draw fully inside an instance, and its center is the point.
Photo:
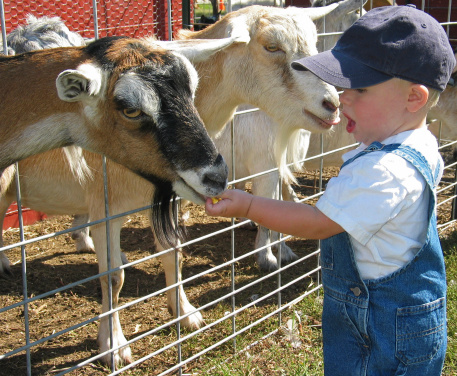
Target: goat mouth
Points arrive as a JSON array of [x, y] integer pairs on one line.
[[325, 124], [187, 192]]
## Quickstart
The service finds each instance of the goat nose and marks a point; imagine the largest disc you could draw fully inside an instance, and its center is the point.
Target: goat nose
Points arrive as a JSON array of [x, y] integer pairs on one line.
[[329, 106], [217, 174]]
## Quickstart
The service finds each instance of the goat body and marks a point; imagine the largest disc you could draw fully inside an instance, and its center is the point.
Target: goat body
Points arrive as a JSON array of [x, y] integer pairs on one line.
[[136, 100], [263, 144]]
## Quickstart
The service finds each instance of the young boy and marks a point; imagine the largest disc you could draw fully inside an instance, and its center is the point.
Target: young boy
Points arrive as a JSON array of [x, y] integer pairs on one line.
[[382, 265]]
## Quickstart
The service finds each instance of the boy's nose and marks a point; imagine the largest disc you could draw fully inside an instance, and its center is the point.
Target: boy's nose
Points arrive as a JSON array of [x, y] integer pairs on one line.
[[344, 97]]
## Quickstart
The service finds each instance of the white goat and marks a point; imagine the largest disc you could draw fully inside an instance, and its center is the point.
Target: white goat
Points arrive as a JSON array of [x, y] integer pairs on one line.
[[230, 77], [260, 144], [446, 111], [42, 33], [259, 72]]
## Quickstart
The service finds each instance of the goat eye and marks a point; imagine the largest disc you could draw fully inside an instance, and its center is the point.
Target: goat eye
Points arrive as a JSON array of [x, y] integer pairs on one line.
[[272, 48], [132, 112]]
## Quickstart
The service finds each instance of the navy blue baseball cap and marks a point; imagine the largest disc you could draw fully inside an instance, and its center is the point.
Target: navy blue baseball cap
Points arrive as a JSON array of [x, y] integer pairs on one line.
[[386, 42]]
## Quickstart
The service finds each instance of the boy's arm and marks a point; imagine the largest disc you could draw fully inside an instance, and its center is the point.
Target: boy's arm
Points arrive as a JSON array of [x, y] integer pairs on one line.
[[287, 217]]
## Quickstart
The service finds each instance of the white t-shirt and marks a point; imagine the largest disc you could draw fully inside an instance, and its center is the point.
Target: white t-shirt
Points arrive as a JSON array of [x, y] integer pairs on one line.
[[381, 202]]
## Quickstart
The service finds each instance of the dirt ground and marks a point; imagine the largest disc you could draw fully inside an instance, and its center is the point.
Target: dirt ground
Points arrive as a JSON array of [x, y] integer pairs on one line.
[[54, 263]]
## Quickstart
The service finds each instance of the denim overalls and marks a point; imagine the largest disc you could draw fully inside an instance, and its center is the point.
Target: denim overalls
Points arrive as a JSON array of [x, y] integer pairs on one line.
[[394, 325]]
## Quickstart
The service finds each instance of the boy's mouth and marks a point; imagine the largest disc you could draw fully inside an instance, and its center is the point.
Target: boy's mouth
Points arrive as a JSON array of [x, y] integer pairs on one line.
[[351, 124]]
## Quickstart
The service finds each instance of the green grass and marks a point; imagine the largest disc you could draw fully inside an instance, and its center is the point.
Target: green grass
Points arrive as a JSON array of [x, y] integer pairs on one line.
[[204, 9], [449, 244], [275, 354]]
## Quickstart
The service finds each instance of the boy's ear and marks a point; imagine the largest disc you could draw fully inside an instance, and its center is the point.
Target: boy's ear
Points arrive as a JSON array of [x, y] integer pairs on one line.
[[418, 97]]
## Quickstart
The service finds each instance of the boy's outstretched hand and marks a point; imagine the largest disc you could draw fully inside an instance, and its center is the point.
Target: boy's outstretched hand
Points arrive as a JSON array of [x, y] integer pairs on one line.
[[286, 217], [232, 203]]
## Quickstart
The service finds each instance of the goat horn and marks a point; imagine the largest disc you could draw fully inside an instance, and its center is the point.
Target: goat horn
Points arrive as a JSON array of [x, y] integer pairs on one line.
[[343, 7]]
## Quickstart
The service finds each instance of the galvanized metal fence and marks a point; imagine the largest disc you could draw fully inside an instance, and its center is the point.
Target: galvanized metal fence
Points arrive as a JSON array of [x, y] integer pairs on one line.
[[229, 292]]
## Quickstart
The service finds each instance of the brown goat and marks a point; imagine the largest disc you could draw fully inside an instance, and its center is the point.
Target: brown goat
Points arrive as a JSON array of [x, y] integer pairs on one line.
[[130, 99]]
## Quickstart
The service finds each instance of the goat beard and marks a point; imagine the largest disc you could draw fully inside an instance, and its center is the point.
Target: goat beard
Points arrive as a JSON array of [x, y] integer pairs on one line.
[[164, 216]]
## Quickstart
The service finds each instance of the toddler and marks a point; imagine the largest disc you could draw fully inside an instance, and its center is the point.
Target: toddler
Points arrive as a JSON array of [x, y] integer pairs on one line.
[[382, 264]]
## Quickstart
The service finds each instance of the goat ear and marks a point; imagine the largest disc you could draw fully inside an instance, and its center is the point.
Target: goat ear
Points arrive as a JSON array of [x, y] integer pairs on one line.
[[75, 85], [238, 29], [197, 50]]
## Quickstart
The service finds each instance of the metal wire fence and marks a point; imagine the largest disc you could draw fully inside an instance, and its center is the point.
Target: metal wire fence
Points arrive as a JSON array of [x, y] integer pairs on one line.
[[53, 329]]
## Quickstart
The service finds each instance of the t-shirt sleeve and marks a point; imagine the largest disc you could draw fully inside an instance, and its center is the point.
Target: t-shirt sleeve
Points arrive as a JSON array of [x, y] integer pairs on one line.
[[367, 193]]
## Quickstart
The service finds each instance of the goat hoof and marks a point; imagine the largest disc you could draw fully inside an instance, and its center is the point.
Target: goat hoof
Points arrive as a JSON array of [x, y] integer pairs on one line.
[[287, 255], [193, 322], [267, 265], [5, 267]]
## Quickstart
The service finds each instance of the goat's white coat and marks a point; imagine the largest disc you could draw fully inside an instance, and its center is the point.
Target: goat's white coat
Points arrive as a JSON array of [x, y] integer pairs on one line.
[[261, 144], [446, 112]]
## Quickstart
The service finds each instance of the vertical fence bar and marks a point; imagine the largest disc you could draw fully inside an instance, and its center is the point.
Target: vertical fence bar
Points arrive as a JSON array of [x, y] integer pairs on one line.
[[178, 323], [107, 223], [3, 24], [24, 271], [321, 168], [177, 280], [279, 258], [169, 15], [108, 261], [232, 233], [178, 307], [95, 14]]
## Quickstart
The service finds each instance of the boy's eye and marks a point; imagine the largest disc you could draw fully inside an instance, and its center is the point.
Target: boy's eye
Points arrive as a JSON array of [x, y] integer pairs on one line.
[[361, 90]]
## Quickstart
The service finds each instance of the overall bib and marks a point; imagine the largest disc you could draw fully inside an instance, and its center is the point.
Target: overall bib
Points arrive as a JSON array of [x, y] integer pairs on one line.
[[394, 325]]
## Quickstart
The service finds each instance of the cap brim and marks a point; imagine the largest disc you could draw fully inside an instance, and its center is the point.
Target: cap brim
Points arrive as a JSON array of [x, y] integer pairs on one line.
[[339, 70]]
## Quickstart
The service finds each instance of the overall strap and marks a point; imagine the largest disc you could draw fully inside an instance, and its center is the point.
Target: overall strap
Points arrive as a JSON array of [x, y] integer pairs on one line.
[[406, 152]]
